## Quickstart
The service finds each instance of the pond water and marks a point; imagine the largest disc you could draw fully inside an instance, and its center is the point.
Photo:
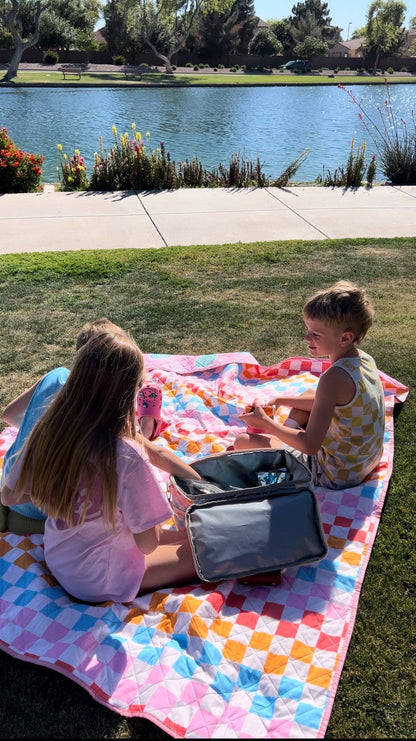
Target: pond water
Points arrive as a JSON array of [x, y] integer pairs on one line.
[[274, 123]]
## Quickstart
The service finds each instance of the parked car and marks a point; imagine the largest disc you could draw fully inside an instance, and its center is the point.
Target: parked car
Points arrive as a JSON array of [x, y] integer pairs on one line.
[[297, 65]]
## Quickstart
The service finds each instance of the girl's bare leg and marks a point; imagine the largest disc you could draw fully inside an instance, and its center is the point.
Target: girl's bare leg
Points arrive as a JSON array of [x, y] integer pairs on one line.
[[171, 563], [252, 440], [147, 427]]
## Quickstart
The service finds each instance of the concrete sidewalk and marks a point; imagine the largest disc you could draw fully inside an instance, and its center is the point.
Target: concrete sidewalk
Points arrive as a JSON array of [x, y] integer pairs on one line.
[[51, 221]]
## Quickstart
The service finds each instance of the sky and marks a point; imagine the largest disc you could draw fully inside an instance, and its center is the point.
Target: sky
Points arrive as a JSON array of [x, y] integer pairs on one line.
[[342, 13]]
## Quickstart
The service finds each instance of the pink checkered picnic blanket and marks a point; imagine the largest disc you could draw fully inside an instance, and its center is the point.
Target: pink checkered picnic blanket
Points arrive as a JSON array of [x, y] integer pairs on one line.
[[210, 661]]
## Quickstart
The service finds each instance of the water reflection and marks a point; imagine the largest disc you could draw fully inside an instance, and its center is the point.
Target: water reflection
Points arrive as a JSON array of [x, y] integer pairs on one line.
[[275, 123]]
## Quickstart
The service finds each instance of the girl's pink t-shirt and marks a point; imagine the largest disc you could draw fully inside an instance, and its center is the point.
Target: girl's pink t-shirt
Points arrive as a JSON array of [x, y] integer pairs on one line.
[[92, 561]]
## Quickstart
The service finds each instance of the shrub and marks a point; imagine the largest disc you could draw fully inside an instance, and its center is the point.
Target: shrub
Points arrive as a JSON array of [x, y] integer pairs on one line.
[[265, 43], [354, 174], [191, 174], [72, 173], [196, 67], [395, 140], [390, 70], [371, 170], [221, 66], [189, 64], [130, 165], [50, 57], [404, 69], [20, 172], [241, 173], [119, 60]]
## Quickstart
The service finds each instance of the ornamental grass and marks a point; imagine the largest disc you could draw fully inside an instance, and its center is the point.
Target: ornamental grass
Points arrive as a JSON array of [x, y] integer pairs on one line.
[[394, 138]]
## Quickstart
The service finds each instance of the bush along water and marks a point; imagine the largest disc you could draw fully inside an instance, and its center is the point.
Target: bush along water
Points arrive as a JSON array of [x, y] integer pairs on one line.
[[132, 164], [72, 172], [354, 174], [394, 138], [20, 172]]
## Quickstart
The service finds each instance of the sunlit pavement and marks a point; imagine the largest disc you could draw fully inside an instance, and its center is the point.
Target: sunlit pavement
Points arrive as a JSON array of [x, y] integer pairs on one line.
[[51, 221]]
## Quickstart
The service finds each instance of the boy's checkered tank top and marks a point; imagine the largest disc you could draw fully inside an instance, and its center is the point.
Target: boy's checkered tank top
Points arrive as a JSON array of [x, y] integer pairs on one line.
[[354, 441]]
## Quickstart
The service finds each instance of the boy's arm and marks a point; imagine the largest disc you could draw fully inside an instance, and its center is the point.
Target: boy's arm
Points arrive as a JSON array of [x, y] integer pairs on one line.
[[14, 412], [328, 393], [167, 460]]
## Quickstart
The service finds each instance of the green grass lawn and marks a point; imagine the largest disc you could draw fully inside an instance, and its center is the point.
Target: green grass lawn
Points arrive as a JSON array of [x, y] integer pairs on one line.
[[191, 300], [54, 77]]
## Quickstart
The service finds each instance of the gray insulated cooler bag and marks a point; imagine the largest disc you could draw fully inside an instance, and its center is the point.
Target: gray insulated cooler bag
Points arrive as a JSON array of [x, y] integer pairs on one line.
[[254, 511]]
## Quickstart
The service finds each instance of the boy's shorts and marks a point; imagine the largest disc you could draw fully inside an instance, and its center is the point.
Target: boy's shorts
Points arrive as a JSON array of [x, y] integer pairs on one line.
[[310, 461]]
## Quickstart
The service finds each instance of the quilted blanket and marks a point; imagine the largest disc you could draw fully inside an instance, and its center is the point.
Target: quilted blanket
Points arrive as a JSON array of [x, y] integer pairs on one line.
[[223, 660]]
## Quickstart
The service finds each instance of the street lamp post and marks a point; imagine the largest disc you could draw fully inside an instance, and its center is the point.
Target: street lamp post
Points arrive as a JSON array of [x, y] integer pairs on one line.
[[348, 32]]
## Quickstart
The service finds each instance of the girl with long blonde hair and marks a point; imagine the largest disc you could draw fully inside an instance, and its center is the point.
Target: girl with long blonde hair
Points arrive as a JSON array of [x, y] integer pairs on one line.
[[89, 470]]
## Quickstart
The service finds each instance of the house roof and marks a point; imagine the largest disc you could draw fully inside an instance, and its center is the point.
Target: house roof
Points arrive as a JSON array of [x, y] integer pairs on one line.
[[341, 46], [354, 44], [98, 35]]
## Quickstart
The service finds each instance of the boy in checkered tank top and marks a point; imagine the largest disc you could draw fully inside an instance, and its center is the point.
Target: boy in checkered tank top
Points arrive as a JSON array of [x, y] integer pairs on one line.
[[337, 428]]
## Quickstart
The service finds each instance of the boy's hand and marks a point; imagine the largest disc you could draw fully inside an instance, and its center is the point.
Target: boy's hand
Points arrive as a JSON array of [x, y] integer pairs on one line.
[[257, 414]]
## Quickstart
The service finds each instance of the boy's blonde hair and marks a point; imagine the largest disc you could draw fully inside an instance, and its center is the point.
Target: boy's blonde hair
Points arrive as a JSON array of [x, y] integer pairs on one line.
[[342, 304], [80, 430]]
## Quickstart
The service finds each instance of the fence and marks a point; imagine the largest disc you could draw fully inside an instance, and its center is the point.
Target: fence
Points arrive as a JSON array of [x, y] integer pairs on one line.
[[35, 56]]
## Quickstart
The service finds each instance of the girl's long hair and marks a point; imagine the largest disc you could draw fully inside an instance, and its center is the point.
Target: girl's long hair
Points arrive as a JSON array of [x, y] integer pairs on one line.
[[79, 431]]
